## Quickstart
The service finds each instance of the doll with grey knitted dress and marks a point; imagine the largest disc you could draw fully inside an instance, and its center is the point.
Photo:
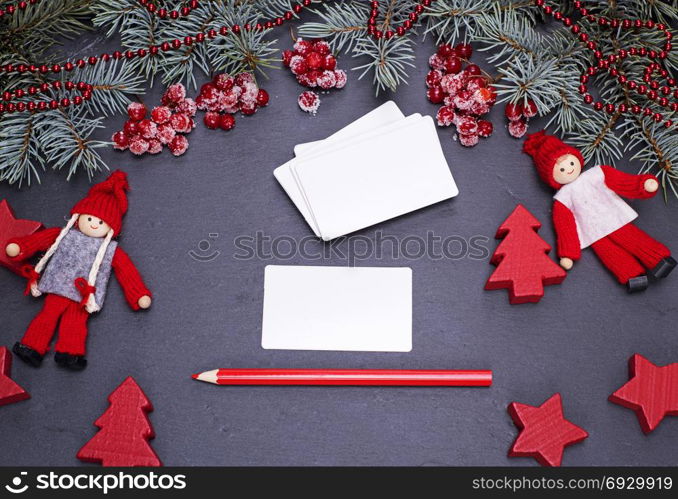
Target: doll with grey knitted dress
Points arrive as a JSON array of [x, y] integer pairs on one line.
[[74, 272]]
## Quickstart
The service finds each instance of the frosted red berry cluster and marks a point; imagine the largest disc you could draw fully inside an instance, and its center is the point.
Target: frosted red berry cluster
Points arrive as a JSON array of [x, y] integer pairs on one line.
[[465, 94], [519, 115], [226, 95], [314, 67], [166, 125]]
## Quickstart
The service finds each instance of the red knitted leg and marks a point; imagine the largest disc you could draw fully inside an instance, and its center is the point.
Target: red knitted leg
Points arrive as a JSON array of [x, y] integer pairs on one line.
[[41, 329], [73, 330], [617, 260], [646, 249]]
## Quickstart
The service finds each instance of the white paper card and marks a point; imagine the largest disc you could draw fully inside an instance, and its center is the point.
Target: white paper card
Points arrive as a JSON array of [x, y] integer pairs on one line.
[[333, 145], [374, 180], [337, 308], [383, 115]]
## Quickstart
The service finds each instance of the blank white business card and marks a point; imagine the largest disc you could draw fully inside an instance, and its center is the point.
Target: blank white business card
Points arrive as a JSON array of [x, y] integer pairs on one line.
[[337, 308]]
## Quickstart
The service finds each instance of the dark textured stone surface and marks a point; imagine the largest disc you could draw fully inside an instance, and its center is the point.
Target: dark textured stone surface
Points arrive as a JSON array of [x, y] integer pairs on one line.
[[207, 315]]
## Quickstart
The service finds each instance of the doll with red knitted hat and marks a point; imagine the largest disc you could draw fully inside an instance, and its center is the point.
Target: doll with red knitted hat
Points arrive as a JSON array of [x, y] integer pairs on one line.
[[74, 272], [588, 211]]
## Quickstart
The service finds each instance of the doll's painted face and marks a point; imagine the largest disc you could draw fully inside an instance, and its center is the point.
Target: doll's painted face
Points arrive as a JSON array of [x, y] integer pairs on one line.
[[567, 169], [93, 226]]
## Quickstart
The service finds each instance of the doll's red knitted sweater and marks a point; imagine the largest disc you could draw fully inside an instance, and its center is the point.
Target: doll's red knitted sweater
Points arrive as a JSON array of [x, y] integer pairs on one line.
[[593, 209]]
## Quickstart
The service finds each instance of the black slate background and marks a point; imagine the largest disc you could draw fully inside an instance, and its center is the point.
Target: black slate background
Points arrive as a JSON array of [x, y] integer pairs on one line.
[[207, 315]]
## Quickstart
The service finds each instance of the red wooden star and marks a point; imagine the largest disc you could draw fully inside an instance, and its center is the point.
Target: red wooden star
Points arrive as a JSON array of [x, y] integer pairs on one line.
[[652, 391], [11, 227], [10, 392], [544, 431]]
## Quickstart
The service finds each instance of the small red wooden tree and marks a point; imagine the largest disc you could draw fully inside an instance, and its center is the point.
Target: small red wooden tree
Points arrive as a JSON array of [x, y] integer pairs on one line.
[[124, 430], [523, 264]]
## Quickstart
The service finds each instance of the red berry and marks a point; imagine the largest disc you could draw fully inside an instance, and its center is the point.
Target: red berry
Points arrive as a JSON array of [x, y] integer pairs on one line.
[[309, 102], [208, 91], [179, 145], [485, 95], [436, 62], [341, 78], [468, 140], [249, 108], [174, 94], [313, 75], [433, 78], [136, 111], [306, 81], [445, 116], [445, 50], [467, 126], [327, 80], [473, 69], [513, 111], [154, 146], [243, 79], [453, 83], [464, 51], [314, 60], [161, 114], [322, 47], [131, 128], [223, 81], [435, 95], [330, 62], [302, 47], [530, 110], [166, 133], [226, 121], [452, 65], [517, 128], [298, 65], [120, 140], [485, 128], [138, 146], [476, 82], [287, 57], [212, 120], [262, 97], [147, 129], [181, 123]]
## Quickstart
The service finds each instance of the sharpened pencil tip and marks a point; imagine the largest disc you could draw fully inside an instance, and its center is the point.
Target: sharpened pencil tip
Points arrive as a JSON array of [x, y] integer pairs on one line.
[[195, 376]]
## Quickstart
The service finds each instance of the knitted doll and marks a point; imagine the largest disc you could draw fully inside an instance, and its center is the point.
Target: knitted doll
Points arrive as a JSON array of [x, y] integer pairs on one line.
[[588, 211], [74, 272]]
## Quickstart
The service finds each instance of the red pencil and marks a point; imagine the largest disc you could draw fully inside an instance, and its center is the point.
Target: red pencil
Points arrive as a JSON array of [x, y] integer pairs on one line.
[[346, 377]]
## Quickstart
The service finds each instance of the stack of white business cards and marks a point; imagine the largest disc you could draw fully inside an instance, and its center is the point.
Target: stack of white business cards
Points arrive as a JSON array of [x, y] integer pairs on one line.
[[381, 166]]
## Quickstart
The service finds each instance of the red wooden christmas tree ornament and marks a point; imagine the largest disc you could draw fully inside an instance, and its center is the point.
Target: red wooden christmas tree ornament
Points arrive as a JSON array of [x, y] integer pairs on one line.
[[523, 264], [11, 227], [10, 392], [652, 391], [124, 430], [544, 431]]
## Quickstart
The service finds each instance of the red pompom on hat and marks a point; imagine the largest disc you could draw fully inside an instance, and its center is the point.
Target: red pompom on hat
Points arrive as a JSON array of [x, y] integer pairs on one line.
[[106, 200], [545, 151]]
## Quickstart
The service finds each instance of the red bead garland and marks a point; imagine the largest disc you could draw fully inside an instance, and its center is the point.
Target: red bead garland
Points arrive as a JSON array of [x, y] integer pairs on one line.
[[166, 46], [401, 30], [650, 87], [152, 50], [11, 9]]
